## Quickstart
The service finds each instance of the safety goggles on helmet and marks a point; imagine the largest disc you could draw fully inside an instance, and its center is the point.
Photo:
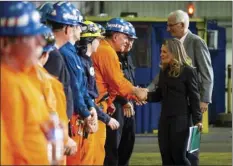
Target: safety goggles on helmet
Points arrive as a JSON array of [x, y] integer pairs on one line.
[[101, 28], [49, 39], [90, 28]]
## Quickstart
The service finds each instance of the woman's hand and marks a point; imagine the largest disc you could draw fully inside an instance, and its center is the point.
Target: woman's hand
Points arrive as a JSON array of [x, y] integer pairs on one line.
[[200, 126]]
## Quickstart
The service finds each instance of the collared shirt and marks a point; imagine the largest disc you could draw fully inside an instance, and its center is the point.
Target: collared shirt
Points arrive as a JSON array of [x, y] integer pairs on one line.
[[183, 38]]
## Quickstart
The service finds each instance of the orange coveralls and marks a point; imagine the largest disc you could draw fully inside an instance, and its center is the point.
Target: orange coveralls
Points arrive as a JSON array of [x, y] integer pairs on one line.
[[54, 93], [23, 109], [109, 78], [6, 153]]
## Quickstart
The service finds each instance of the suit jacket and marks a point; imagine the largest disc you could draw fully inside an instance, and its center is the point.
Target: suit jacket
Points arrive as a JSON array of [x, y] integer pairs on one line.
[[197, 50], [56, 66], [179, 96]]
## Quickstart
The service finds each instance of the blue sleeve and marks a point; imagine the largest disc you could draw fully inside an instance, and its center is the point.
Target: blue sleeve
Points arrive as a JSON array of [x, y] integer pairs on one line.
[[105, 118], [88, 100], [79, 104]]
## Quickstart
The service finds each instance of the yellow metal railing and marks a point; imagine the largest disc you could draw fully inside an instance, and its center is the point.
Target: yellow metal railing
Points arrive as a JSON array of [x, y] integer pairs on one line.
[[202, 32], [229, 90], [137, 19]]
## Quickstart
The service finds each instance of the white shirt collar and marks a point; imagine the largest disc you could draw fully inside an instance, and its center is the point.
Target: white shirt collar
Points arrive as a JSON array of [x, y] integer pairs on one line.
[[183, 38], [56, 46]]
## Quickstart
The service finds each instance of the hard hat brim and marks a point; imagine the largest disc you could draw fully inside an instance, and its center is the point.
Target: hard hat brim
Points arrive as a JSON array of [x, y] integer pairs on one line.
[[36, 30], [133, 37], [49, 48]]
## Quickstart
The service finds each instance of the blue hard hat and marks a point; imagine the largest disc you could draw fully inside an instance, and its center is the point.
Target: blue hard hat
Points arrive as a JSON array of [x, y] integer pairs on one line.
[[19, 19], [117, 25], [44, 9], [131, 30], [65, 13], [80, 18], [49, 39]]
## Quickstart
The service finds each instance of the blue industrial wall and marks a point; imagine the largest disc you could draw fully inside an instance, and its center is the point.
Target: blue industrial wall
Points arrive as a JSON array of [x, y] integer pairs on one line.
[[218, 58], [147, 116]]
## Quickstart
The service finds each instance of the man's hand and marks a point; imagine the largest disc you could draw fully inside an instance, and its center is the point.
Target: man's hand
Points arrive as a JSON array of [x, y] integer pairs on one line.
[[113, 124], [93, 114], [140, 93], [200, 126], [204, 106], [128, 110], [70, 147], [91, 122], [111, 109]]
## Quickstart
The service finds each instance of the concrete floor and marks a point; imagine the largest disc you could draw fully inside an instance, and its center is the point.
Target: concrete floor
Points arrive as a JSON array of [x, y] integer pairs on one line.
[[217, 140]]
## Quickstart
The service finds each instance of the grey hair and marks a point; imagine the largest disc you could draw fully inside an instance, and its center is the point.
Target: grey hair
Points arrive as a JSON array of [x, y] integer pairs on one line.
[[181, 16]]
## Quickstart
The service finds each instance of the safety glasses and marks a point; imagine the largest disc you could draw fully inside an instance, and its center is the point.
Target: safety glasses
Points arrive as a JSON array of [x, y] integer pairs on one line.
[[49, 39], [90, 28]]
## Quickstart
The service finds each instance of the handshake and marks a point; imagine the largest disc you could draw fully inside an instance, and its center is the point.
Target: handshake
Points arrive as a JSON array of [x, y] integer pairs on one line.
[[140, 93]]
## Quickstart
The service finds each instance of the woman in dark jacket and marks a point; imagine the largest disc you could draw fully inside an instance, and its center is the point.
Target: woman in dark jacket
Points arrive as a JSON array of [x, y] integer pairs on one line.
[[179, 95]]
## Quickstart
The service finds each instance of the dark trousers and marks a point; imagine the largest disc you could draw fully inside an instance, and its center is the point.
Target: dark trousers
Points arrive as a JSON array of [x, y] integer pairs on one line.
[[119, 143], [193, 158], [173, 135]]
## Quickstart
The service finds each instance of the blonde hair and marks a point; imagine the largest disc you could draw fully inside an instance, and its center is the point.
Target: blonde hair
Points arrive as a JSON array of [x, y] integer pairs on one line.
[[180, 58]]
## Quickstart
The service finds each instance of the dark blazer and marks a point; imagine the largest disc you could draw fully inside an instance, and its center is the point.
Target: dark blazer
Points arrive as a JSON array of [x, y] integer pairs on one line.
[[56, 66], [179, 96]]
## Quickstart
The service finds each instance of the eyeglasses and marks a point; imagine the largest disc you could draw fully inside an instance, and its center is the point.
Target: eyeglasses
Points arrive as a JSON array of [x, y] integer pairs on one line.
[[49, 39], [171, 25]]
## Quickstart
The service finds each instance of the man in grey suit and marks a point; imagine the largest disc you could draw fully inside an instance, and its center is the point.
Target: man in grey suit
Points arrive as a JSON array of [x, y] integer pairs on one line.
[[196, 48]]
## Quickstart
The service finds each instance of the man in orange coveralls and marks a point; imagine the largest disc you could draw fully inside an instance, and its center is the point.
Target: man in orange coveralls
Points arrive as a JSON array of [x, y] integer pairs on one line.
[[23, 108], [109, 76]]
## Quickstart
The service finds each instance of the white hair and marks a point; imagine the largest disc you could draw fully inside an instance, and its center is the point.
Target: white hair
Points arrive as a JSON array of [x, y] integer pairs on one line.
[[181, 16]]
